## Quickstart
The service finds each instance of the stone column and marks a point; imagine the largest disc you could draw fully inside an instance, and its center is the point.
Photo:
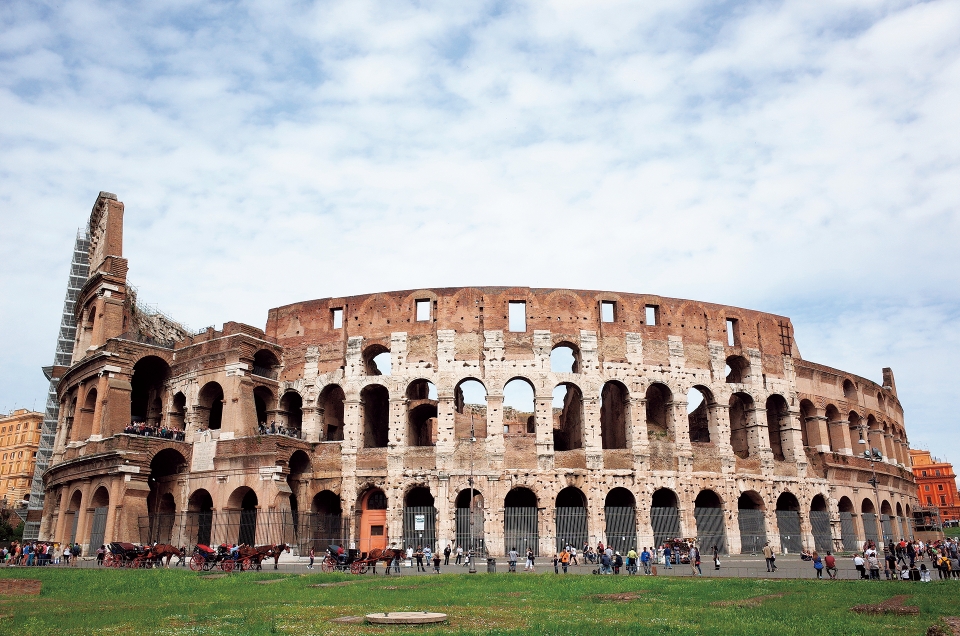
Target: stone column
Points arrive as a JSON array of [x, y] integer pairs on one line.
[[115, 508], [59, 533], [791, 437], [592, 440], [728, 461], [310, 428], [678, 426], [495, 444], [352, 437], [638, 441], [446, 432], [397, 442], [543, 405], [445, 514]]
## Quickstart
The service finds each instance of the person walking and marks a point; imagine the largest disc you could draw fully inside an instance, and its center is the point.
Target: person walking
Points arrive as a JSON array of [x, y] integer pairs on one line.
[[530, 565], [770, 557], [695, 561], [459, 554], [818, 564], [512, 556], [436, 560], [446, 555], [645, 560], [632, 561], [564, 560], [716, 558], [418, 555], [313, 555], [556, 563], [667, 556]]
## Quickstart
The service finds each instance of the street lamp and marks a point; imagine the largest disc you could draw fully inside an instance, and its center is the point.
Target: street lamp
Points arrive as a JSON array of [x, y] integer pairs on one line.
[[873, 454], [473, 438]]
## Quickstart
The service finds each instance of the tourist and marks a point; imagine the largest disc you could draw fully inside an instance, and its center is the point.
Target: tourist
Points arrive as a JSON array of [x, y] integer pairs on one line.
[[573, 555], [631, 561], [428, 554], [436, 560], [645, 560], [667, 556], [530, 565], [512, 556], [873, 562], [100, 554], [818, 564], [564, 559], [418, 555], [831, 564], [556, 563], [695, 561], [770, 557], [605, 563], [313, 555], [716, 558], [858, 563], [459, 554], [943, 565], [67, 553], [617, 562], [924, 573], [446, 554]]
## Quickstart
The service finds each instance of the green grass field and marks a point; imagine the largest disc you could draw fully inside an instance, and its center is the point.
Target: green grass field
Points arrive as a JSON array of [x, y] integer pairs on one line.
[[88, 601]]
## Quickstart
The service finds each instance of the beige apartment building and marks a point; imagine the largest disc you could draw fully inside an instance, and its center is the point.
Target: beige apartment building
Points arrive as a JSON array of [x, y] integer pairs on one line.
[[19, 440]]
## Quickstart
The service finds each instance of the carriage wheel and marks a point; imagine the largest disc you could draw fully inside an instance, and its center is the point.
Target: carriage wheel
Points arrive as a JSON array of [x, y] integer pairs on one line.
[[197, 563], [137, 563], [227, 566], [363, 567], [108, 561], [245, 564], [355, 567], [327, 566]]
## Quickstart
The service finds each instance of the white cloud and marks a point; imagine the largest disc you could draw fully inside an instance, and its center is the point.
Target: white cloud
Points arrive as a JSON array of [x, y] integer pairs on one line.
[[793, 157]]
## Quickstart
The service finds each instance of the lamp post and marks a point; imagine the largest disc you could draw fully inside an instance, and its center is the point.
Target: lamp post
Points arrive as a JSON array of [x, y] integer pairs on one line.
[[872, 454], [473, 439]]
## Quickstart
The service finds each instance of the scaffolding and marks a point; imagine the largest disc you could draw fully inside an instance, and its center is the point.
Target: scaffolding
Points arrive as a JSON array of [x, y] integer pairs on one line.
[[79, 272]]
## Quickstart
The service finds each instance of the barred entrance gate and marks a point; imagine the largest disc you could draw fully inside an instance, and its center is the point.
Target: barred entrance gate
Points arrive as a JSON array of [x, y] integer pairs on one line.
[[848, 531], [870, 526], [788, 523], [419, 527], [213, 528], [887, 524], [665, 523], [822, 536], [520, 530], [570, 517], [621, 528], [753, 531], [708, 513], [99, 527], [321, 530], [470, 541]]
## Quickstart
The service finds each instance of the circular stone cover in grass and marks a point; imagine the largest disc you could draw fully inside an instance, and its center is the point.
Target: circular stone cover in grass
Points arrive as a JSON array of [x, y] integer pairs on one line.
[[406, 618]]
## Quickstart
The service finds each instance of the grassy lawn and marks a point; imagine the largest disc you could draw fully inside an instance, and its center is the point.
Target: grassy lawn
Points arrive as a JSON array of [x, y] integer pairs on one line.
[[951, 532], [81, 601]]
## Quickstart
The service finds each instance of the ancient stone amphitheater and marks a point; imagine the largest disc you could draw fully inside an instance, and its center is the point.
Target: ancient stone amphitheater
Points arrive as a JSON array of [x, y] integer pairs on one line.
[[573, 415]]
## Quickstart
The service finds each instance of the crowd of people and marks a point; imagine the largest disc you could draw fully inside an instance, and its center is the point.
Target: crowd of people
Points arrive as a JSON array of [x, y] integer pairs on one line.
[[903, 561], [163, 432], [40, 553], [274, 429]]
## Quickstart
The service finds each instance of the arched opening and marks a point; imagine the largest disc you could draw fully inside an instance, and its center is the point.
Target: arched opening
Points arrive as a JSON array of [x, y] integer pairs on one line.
[[565, 358], [422, 413], [101, 506], [614, 415], [664, 516], [570, 517], [518, 406], [788, 522], [165, 468], [848, 528], [331, 412], [419, 518], [73, 512], [886, 521], [836, 429], [820, 524], [658, 398], [521, 521], [809, 428], [849, 390], [326, 524], [150, 375], [178, 416], [740, 406], [245, 500], [750, 518], [470, 410], [875, 438], [738, 370], [376, 416], [620, 517], [85, 429], [708, 513], [901, 523], [266, 364], [777, 416], [210, 405], [868, 517], [567, 417], [200, 517], [376, 360], [263, 401], [373, 520], [469, 522], [291, 413], [699, 414]]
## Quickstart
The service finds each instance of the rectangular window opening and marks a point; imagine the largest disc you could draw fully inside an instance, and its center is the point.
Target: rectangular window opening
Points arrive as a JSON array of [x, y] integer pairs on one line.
[[607, 311], [517, 315], [732, 336], [376, 531], [653, 317], [337, 315], [423, 310]]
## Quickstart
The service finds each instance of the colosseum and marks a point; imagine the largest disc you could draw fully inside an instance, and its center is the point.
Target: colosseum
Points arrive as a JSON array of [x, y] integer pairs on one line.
[[490, 417]]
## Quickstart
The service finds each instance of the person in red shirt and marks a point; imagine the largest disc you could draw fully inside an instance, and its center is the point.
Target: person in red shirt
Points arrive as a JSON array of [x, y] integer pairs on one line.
[[831, 563]]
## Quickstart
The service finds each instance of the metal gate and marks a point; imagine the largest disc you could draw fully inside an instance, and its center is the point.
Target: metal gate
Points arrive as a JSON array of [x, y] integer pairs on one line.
[[99, 527], [73, 526], [788, 522], [710, 528], [870, 527], [753, 531], [822, 536], [419, 527], [665, 523], [248, 527], [621, 528], [887, 525], [848, 531], [321, 530], [571, 526], [521, 530], [467, 539]]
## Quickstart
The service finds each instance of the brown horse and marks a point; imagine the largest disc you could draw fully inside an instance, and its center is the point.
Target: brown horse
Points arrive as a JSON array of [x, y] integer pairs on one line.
[[388, 556], [258, 553], [163, 550], [275, 551]]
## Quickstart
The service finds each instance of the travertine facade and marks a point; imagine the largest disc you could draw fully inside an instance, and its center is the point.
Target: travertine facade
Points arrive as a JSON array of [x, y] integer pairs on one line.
[[377, 453]]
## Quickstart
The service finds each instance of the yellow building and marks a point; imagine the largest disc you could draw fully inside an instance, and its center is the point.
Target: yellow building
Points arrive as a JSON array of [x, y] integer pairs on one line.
[[19, 440]]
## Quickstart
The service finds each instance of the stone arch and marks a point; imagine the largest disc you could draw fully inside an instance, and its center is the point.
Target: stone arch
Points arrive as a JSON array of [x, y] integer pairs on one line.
[[614, 415], [419, 517], [568, 423], [148, 388], [711, 526], [849, 390], [263, 401], [835, 428], [199, 524], [87, 411], [659, 398], [664, 515], [809, 427], [565, 357], [738, 370], [701, 416], [178, 415], [331, 412], [570, 518], [266, 364], [327, 527], [741, 405], [376, 416], [820, 523], [377, 360], [291, 413], [422, 429], [620, 519], [519, 408], [788, 522], [857, 442], [246, 501], [751, 519], [777, 421], [469, 521], [210, 405], [521, 529], [470, 409]]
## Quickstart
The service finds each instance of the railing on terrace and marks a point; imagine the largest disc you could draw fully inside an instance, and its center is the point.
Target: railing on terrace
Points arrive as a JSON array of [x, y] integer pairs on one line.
[[266, 372]]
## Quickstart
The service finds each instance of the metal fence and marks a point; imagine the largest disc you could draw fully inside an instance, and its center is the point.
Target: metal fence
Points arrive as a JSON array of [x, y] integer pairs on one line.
[[419, 527], [665, 523], [710, 528], [521, 530], [753, 531], [887, 525], [465, 538], [253, 527], [822, 537], [788, 522], [848, 531], [870, 527], [571, 526], [621, 528]]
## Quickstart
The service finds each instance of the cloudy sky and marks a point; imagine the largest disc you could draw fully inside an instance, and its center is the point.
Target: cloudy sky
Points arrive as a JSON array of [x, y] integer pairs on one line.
[[794, 157]]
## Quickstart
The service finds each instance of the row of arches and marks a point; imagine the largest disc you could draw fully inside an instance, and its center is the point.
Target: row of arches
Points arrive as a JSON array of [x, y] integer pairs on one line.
[[852, 433]]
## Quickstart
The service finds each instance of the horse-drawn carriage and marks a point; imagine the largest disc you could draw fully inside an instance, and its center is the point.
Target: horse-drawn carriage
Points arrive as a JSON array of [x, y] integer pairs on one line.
[[353, 562], [124, 555], [206, 558]]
